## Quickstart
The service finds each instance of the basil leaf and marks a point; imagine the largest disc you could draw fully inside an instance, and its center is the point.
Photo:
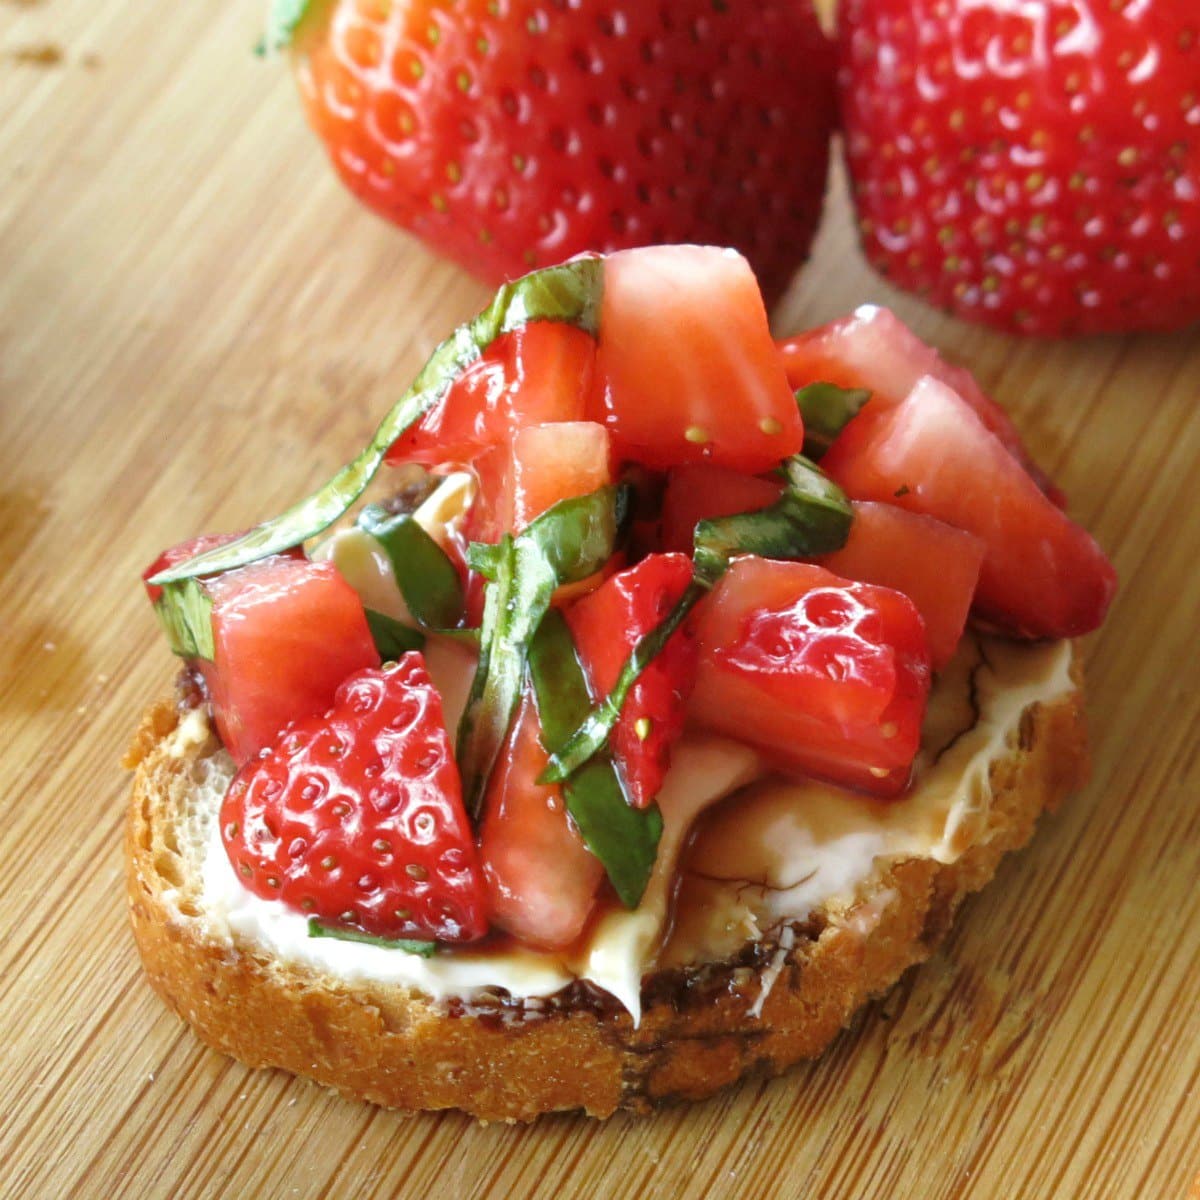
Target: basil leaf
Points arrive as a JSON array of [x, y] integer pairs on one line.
[[184, 610], [812, 516], [425, 575], [283, 19], [569, 293], [408, 945], [623, 838], [826, 410], [392, 638], [590, 735], [568, 542]]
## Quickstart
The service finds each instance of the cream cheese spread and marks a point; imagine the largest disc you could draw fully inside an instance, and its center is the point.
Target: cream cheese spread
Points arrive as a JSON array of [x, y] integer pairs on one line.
[[773, 852]]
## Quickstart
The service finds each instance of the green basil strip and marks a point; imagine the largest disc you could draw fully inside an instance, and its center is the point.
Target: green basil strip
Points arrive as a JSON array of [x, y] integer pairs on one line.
[[408, 945], [392, 638], [569, 294], [567, 543], [184, 610], [283, 19], [811, 517], [590, 735], [424, 573], [623, 838], [826, 410]]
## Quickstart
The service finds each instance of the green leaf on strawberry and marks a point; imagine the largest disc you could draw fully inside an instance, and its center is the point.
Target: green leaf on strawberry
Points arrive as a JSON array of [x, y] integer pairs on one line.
[[425, 575], [827, 409], [566, 544], [625, 839], [283, 19], [569, 293], [184, 610]]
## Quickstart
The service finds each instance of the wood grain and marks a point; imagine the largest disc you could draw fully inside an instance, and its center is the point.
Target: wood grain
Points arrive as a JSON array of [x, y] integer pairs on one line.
[[195, 325]]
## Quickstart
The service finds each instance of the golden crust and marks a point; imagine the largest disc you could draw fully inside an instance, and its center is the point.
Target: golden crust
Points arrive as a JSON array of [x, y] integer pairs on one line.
[[394, 1047]]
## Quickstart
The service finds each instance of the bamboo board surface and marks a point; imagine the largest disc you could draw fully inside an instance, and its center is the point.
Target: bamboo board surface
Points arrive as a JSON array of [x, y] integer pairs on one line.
[[196, 325]]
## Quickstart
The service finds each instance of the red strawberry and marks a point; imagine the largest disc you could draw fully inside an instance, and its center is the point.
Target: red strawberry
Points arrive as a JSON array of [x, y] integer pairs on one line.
[[1034, 166], [510, 134], [356, 817], [606, 625]]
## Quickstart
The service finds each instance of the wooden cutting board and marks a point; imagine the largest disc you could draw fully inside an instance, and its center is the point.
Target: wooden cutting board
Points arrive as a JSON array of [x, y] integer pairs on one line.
[[196, 325]]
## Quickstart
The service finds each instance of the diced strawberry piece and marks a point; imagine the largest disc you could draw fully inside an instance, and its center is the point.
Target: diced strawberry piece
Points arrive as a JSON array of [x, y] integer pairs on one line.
[[873, 349], [181, 553], [827, 677], [539, 467], [606, 625], [286, 632], [356, 816], [1042, 575], [537, 374], [935, 565], [687, 371], [701, 492], [541, 878]]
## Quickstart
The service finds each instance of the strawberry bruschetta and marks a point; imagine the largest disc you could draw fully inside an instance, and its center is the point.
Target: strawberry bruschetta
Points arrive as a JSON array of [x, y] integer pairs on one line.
[[659, 710]]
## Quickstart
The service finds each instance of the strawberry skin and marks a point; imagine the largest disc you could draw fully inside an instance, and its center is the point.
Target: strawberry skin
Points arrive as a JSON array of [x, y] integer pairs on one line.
[[510, 134], [356, 817], [1032, 166]]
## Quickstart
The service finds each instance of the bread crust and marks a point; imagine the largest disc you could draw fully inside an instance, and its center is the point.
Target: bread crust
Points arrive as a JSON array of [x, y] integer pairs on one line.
[[511, 1061]]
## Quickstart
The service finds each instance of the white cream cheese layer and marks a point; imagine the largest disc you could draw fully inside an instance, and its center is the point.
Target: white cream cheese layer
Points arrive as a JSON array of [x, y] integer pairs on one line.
[[770, 855]]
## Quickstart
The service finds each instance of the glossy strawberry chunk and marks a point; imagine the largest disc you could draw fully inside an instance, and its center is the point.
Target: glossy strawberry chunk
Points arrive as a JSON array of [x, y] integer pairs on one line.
[[1042, 575], [606, 625], [541, 879], [827, 677], [687, 371], [873, 349], [286, 632], [701, 492], [935, 565], [537, 374], [355, 816]]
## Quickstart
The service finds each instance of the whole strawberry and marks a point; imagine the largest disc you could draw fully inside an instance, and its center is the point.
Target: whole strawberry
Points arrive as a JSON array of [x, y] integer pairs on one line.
[[510, 134], [356, 817], [1035, 166]]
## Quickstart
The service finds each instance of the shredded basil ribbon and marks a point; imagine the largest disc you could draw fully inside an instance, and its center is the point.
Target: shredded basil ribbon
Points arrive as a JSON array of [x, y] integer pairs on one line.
[[624, 838], [423, 572], [408, 945], [567, 543], [392, 638], [184, 611], [826, 410], [569, 294], [812, 516]]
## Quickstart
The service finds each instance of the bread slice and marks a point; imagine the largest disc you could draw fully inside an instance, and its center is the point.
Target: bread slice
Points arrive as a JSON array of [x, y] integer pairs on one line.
[[502, 1058]]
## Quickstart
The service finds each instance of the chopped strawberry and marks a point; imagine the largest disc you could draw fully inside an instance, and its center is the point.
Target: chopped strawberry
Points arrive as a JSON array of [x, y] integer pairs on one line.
[[935, 565], [356, 816], [606, 625], [286, 632], [181, 553], [1042, 575], [541, 878], [687, 371], [540, 466], [1035, 166], [534, 375], [873, 349], [702, 492], [515, 135], [826, 677]]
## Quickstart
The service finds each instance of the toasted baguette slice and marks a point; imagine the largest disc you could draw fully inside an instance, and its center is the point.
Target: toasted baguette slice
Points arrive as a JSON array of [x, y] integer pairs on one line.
[[702, 1027]]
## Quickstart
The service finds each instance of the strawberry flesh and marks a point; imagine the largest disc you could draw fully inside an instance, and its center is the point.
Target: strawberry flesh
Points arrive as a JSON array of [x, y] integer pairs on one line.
[[606, 625], [355, 816]]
